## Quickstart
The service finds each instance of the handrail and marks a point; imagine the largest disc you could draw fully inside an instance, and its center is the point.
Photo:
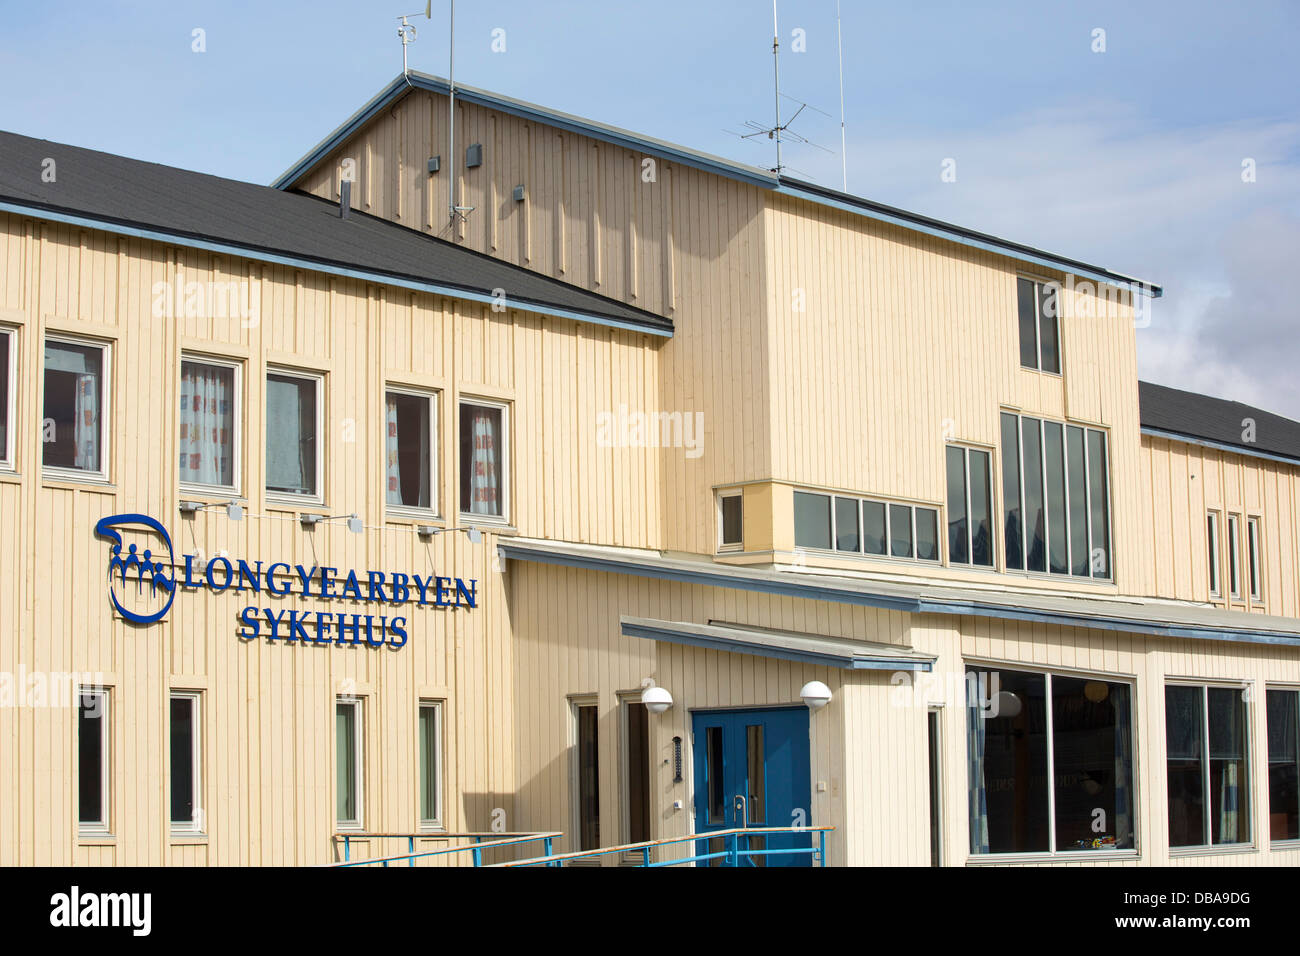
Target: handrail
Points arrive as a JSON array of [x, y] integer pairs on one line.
[[476, 848], [733, 853]]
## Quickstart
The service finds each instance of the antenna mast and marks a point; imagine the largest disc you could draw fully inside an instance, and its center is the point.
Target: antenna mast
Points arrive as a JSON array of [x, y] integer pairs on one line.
[[844, 146], [776, 91]]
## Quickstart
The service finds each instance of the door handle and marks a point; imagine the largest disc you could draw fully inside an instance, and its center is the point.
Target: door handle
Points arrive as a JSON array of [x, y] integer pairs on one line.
[[742, 810]]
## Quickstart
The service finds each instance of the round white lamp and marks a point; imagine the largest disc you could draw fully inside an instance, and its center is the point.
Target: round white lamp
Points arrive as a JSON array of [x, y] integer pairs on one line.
[[656, 699], [815, 694]]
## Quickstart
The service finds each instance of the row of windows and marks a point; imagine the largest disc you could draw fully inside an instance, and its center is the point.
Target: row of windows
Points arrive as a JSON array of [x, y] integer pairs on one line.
[[1055, 498], [76, 414], [1050, 763], [186, 779], [1252, 573]]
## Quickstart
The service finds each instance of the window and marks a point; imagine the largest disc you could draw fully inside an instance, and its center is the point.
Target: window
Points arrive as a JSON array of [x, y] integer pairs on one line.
[[636, 784], [209, 420], [934, 764], [483, 459], [430, 744], [73, 432], [880, 528], [1212, 542], [186, 779], [1038, 305], [348, 762], [92, 762], [1025, 729], [293, 434], [1253, 546], [970, 506], [587, 773], [731, 522], [1055, 499], [1205, 752], [8, 356], [410, 449], [1234, 557], [1283, 764]]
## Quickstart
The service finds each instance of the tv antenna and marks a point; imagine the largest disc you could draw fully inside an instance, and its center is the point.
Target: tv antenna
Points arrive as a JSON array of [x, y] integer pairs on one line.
[[406, 30], [780, 130]]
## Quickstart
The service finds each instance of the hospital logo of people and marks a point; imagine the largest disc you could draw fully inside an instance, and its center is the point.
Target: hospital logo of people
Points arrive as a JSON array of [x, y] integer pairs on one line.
[[144, 579]]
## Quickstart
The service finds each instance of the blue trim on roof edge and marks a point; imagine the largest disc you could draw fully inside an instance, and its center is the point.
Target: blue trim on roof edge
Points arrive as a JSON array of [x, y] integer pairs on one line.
[[1218, 445], [226, 248]]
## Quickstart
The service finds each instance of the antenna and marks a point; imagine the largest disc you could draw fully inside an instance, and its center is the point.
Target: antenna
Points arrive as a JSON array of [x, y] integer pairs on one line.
[[776, 88], [406, 31], [844, 145], [455, 211]]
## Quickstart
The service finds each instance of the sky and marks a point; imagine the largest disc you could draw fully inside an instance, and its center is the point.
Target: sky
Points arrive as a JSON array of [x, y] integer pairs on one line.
[[1165, 147]]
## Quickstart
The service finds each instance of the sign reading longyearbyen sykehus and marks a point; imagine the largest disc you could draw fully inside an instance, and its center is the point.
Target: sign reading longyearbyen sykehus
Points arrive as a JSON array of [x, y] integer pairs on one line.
[[280, 579]]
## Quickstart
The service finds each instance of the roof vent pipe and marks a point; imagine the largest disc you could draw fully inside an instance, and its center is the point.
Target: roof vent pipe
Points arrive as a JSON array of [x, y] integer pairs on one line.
[[345, 198]]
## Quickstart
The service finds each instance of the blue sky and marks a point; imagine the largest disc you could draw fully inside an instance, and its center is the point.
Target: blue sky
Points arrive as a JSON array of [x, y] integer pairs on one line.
[[1130, 157]]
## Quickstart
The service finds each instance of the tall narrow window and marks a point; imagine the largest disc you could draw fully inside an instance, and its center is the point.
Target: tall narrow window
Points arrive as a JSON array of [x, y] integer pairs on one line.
[[483, 462], [1234, 557], [430, 746], [348, 763], [1054, 496], [900, 531], [293, 434], [92, 761], [637, 782], [1212, 548], [874, 529], [1253, 559], [1283, 764], [209, 417], [410, 443], [186, 809], [1026, 729], [934, 764], [587, 768], [846, 524], [7, 354], [970, 506], [1208, 781], [1038, 311], [731, 525], [73, 423]]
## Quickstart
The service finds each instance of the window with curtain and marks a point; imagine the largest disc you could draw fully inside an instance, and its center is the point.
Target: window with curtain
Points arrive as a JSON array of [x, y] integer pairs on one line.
[[72, 425], [292, 443], [1283, 764], [1207, 770], [409, 450], [482, 460], [207, 424], [1009, 746], [1055, 497]]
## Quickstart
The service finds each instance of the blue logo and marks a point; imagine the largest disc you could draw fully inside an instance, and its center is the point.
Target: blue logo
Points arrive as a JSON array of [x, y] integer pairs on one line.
[[144, 564]]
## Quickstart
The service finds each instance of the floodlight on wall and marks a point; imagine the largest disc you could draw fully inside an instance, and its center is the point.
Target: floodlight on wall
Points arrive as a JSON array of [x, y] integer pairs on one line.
[[656, 699], [815, 694], [234, 510], [429, 531], [355, 524]]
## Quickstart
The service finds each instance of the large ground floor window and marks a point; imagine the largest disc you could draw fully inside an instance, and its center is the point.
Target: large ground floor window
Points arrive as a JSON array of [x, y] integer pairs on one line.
[[1049, 762], [1207, 772]]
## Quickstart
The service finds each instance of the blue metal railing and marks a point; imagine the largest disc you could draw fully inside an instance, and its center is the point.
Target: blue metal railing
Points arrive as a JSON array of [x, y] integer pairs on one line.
[[482, 841], [736, 842]]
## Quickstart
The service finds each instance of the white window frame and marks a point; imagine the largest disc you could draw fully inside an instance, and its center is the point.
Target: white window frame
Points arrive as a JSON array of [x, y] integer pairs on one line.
[[970, 564], [1245, 688], [105, 415], [436, 822], [237, 418], [1234, 558], [724, 545], [1254, 558], [504, 517], [359, 776], [195, 825], [102, 827], [861, 500], [431, 396], [1214, 554], [10, 399], [318, 379], [1039, 282]]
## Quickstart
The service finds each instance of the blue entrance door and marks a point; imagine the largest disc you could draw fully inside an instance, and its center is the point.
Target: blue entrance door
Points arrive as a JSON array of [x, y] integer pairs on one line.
[[752, 770]]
